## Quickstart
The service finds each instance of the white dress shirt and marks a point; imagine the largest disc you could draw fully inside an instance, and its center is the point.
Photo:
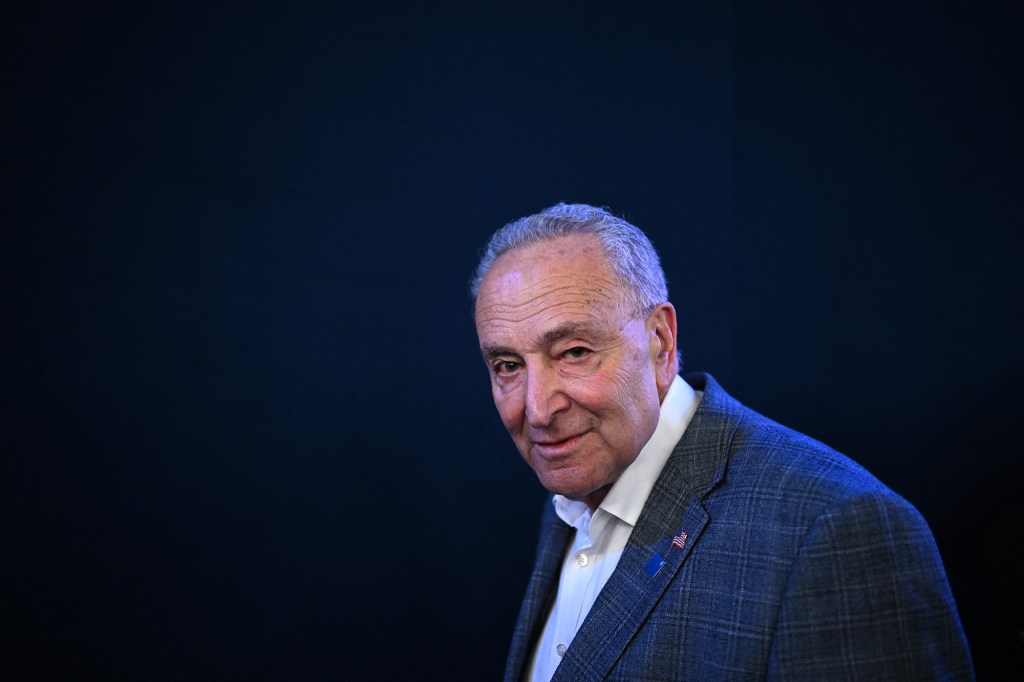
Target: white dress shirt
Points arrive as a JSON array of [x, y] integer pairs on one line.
[[600, 537]]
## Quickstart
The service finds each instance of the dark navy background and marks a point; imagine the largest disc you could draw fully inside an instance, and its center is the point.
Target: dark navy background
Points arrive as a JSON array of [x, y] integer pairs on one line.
[[246, 430]]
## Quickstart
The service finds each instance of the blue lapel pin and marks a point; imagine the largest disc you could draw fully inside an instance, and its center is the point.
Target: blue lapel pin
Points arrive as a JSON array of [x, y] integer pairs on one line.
[[654, 565]]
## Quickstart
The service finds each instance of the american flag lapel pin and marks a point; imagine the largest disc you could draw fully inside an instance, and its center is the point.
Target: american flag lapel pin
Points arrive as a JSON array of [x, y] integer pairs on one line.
[[680, 540]]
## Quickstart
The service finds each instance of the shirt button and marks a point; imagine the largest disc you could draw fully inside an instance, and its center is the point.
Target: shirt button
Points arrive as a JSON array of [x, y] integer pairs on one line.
[[560, 649], [582, 559]]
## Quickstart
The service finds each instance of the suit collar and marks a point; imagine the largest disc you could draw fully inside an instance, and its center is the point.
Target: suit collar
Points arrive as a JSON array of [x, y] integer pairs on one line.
[[695, 467]]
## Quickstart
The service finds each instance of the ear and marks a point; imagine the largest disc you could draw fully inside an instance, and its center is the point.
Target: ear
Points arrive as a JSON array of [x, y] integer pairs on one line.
[[661, 330]]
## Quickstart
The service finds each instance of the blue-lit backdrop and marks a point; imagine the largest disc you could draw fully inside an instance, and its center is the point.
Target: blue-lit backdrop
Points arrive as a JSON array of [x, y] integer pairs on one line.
[[247, 432]]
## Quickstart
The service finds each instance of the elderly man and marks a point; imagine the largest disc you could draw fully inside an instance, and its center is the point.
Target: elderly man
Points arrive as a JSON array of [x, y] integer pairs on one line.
[[687, 536]]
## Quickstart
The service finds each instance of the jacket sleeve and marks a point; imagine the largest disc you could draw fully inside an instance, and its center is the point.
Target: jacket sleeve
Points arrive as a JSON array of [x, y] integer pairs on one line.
[[868, 599]]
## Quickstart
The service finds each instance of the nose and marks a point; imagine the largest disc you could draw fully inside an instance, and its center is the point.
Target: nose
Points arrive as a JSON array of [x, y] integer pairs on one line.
[[545, 396]]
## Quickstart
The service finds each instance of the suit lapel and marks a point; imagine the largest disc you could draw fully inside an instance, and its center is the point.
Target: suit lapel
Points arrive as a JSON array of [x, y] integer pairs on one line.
[[540, 592], [675, 505]]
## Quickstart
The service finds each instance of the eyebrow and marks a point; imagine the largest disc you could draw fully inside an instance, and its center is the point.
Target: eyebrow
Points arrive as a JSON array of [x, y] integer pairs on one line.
[[564, 330], [496, 351], [567, 329]]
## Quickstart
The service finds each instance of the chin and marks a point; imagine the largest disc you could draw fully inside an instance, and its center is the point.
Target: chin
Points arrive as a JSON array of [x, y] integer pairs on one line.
[[566, 486]]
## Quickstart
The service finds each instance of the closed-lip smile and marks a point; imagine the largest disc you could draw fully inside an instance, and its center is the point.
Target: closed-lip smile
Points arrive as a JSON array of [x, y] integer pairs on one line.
[[554, 448]]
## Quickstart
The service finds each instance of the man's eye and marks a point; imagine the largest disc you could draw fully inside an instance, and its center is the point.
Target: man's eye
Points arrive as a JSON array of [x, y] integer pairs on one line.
[[577, 352], [505, 367]]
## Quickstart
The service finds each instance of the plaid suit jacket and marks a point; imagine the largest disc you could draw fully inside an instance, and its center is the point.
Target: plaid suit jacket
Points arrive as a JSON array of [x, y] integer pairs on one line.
[[799, 565]]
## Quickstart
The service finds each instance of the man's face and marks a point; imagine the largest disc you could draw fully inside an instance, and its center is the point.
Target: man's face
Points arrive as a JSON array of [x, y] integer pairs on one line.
[[576, 376]]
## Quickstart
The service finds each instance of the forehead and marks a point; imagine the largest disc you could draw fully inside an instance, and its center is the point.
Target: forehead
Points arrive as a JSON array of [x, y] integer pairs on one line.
[[544, 285]]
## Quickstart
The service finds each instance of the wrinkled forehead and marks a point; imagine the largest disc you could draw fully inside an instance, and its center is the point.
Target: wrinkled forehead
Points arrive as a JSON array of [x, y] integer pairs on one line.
[[565, 276]]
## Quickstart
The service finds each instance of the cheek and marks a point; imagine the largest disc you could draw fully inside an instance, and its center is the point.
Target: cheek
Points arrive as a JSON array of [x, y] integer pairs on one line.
[[634, 395], [510, 408]]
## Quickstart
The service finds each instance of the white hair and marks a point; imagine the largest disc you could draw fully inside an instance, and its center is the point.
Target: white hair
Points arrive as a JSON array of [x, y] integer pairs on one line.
[[630, 253]]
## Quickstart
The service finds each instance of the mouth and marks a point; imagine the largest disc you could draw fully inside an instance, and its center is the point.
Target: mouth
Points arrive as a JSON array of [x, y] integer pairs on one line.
[[554, 448]]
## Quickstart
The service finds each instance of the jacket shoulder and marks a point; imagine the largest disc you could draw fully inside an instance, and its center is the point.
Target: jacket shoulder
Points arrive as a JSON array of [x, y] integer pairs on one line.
[[759, 452]]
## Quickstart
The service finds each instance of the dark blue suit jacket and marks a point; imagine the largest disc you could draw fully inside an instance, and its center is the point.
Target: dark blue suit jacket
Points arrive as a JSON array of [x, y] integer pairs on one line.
[[798, 565]]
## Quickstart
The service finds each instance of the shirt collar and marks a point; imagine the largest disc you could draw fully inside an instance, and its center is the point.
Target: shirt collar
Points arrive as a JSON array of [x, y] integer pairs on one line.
[[627, 496]]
